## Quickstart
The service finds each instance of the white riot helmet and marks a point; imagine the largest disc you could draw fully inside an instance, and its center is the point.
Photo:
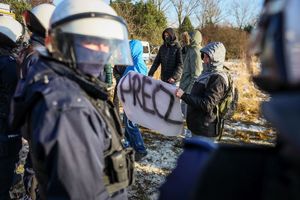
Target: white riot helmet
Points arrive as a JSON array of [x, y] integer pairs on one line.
[[277, 42], [77, 22], [37, 19], [11, 31]]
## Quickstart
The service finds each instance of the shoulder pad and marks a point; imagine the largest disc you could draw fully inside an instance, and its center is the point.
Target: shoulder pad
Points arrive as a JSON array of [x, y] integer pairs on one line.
[[57, 91], [61, 93]]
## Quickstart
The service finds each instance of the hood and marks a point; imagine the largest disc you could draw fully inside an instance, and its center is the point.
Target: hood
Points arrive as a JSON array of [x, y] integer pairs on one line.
[[216, 51], [139, 65], [196, 39], [171, 33], [283, 112]]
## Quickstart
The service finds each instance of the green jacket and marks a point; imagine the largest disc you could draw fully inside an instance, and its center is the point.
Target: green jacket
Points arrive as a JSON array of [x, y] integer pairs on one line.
[[192, 65]]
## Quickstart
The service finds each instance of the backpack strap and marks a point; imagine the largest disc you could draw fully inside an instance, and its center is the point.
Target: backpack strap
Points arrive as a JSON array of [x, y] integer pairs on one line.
[[220, 117]]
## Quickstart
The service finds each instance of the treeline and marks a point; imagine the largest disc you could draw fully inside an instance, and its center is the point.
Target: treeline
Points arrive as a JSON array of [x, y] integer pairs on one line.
[[147, 19], [146, 22]]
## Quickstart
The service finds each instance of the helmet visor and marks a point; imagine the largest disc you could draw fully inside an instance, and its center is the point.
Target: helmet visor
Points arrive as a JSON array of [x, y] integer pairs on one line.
[[111, 37], [94, 50]]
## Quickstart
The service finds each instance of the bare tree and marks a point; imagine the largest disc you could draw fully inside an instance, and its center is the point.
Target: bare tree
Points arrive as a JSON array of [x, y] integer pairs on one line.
[[184, 8], [126, 10], [162, 5], [243, 12], [209, 12]]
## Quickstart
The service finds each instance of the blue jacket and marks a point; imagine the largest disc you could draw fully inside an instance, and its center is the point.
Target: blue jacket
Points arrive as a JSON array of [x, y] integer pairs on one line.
[[139, 65]]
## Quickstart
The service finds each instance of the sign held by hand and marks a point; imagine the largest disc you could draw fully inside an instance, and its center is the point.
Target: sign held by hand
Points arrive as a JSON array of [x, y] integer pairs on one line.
[[151, 103]]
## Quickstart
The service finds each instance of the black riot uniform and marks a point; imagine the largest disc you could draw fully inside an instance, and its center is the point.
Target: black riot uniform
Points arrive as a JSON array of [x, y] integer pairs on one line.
[[74, 134], [10, 141]]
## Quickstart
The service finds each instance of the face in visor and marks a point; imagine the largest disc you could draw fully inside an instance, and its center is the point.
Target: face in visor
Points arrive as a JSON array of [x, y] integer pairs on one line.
[[83, 45], [91, 54]]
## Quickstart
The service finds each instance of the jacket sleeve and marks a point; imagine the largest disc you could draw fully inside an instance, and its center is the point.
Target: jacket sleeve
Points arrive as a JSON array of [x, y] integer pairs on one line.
[[213, 93], [196, 64], [156, 63], [185, 77], [69, 146], [177, 73]]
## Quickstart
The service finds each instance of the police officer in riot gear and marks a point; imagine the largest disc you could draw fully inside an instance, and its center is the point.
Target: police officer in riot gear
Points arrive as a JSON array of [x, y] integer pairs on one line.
[[256, 172], [37, 21], [10, 141], [74, 132]]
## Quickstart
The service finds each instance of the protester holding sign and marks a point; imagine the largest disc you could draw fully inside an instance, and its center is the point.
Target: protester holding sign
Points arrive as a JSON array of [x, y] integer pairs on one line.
[[208, 91], [132, 132]]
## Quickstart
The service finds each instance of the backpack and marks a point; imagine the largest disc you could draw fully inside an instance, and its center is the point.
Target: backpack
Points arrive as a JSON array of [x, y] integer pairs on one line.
[[228, 104]]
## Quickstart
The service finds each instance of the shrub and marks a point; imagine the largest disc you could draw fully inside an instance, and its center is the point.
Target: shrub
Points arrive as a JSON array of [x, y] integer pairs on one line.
[[234, 39]]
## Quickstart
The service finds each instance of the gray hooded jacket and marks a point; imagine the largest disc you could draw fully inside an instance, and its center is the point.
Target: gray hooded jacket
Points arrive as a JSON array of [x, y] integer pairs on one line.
[[192, 65], [207, 92]]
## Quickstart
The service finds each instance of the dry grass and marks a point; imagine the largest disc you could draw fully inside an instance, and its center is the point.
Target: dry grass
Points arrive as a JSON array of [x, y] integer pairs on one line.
[[250, 97]]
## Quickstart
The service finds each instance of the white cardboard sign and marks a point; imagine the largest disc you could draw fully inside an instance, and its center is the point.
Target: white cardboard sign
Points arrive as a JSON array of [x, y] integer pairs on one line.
[[151, 103]]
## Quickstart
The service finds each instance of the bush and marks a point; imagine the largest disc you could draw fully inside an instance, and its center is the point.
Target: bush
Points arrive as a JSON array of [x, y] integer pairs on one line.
[[234, 39], [17, 7]]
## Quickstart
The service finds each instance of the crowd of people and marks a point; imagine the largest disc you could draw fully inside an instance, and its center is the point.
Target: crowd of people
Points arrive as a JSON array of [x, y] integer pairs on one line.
[[55, 94]]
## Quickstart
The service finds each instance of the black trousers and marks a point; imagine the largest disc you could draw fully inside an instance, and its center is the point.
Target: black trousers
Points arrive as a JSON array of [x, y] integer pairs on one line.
[[9, 156]]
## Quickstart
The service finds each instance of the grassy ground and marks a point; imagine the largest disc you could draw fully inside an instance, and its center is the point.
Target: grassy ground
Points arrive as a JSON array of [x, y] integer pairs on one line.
[[250, 97]]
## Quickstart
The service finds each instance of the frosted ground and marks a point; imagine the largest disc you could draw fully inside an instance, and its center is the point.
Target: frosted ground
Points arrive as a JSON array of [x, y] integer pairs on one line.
[[164, 151], [247, 127]]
